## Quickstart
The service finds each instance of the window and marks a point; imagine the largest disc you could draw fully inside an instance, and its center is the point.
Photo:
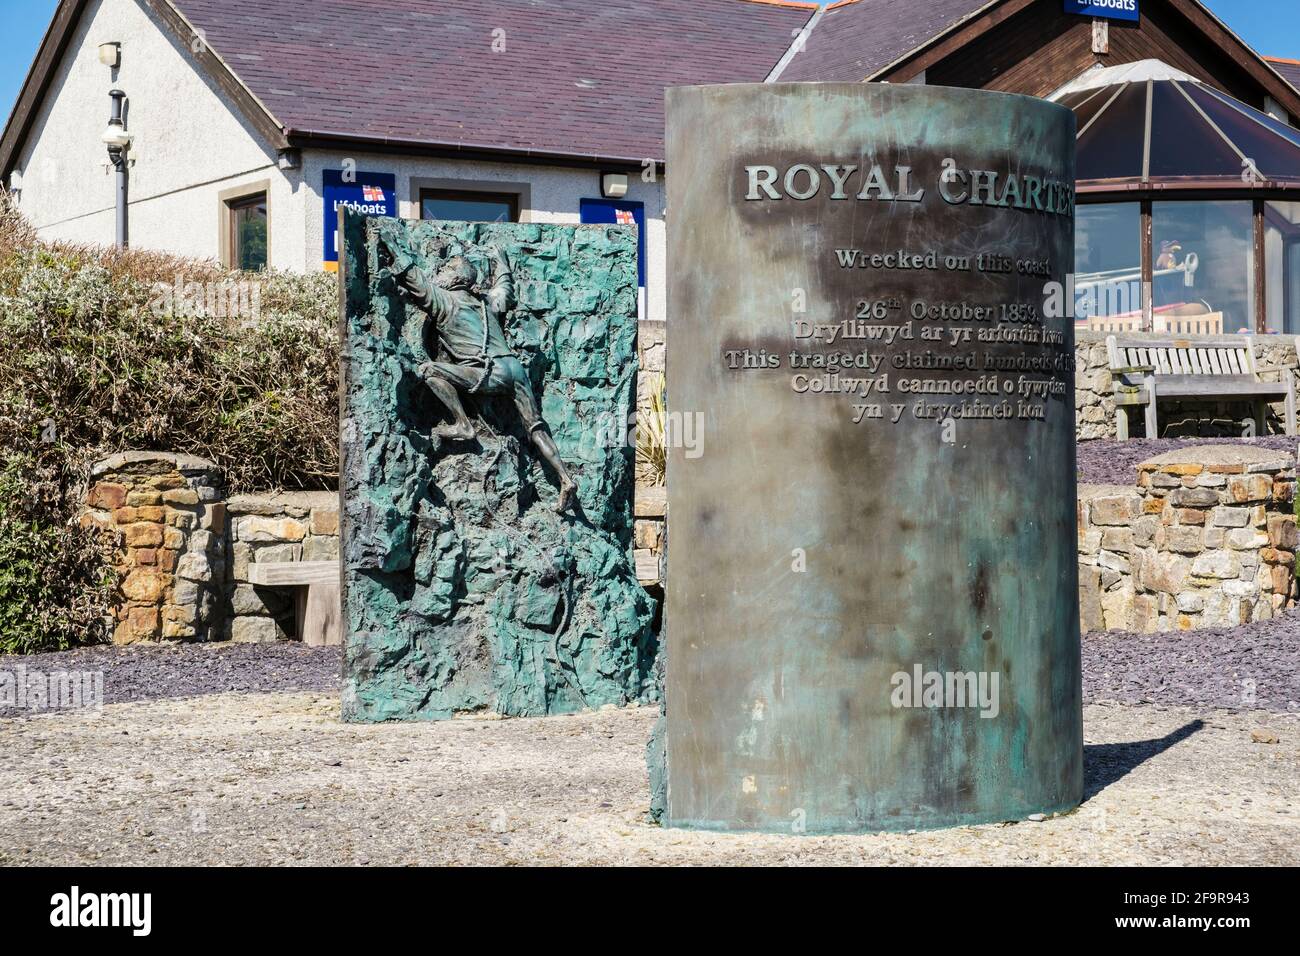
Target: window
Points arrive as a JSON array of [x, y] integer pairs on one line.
[[1108, 266], [469, 205], [246, 242], [1203, 256], [1282, 266]]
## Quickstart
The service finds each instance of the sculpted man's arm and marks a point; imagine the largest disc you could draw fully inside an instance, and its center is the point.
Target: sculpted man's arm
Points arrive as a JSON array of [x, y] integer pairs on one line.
[[426, 294], [501, 297]]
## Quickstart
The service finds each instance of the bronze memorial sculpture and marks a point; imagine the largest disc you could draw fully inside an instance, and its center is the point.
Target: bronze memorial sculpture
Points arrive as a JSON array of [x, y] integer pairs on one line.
[[473, 356], [896, 646], [464, 587]]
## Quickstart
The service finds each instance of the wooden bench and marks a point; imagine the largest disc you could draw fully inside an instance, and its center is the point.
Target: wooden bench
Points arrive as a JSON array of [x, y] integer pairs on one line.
[[316, 593], [1210, 368]]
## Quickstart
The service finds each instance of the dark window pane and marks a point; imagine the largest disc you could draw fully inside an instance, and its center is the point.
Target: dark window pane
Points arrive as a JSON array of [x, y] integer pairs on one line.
[[1182, 143], [248, 233], [1204, 263], [1276, 156], [1087, 103], [1112, 146], [1108, 262], [460, 207]]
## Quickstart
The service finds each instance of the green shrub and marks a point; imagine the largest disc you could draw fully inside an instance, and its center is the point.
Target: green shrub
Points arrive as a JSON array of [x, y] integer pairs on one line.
[[107, 351], [55, 579]]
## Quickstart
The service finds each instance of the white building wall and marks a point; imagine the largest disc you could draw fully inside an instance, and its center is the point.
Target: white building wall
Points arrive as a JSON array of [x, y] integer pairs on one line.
[[188, 147], [553, 195]]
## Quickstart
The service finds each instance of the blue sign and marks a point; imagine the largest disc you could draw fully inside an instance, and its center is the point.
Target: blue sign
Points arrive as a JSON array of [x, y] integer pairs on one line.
[[373, 194], [1109, 9], [618, 212]]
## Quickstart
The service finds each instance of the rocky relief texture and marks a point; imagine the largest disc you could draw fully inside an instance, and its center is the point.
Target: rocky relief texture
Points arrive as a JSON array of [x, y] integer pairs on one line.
[[464, 588]]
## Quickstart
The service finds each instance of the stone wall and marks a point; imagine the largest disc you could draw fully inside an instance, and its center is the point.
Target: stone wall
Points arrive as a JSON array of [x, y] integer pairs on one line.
[[650, 502], [1275, 356], [271, 528], [185, 548], [171, 525], [1206, 538]]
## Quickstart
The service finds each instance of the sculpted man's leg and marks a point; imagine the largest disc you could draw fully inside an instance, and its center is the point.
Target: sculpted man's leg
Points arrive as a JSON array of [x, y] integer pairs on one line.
[[541, 438], [445, 381]]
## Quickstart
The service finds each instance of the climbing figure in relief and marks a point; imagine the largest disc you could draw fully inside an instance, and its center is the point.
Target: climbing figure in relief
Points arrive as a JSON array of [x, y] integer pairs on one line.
[[473, 357]]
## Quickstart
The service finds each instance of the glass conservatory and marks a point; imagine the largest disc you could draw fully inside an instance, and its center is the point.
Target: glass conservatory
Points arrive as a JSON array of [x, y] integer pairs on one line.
[[1188, 217]]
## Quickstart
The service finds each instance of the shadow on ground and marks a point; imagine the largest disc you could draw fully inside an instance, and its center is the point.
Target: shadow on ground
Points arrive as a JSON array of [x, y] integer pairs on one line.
[[1104, 764]]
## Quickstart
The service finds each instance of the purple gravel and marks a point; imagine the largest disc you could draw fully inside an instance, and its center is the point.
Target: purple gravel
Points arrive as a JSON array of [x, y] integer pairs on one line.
[[1251, 667], [144, 672], [1115, 462], [1206, 670]]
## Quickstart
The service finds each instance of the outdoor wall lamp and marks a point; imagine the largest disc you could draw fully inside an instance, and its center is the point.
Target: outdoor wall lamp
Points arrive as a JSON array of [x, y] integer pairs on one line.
[[118, 141], [613, 185], [110, 54]]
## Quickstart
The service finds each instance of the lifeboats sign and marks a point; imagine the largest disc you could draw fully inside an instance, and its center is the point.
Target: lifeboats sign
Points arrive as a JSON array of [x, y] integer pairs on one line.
[[372, 194], [1109, 9]]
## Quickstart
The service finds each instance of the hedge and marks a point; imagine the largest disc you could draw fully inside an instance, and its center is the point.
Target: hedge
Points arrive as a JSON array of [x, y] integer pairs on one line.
[[106, 351]]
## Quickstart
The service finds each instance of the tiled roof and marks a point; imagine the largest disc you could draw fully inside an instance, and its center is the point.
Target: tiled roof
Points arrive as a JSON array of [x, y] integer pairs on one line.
[[856, 38], [1289, 69], [569, 77]]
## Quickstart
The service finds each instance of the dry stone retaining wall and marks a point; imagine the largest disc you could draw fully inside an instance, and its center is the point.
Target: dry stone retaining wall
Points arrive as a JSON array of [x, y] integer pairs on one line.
[[271, 528], [1206, 538], [171, 525], [185, 548]]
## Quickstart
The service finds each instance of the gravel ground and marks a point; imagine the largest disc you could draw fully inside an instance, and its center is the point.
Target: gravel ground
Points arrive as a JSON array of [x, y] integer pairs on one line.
[[144, 672], [1115, 462], [275, 778], [1252, 667]]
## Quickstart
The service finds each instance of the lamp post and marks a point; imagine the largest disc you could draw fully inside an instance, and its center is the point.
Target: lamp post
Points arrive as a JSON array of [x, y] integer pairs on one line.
[[118, 141]]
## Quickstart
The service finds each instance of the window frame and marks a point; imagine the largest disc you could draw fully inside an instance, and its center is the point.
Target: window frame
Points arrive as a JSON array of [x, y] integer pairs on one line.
[[1146, 201], [509, 198], [230, 200]]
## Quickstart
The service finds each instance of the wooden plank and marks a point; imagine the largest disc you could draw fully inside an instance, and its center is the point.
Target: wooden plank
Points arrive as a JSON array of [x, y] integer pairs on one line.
[[320, 618], [1112, 351], [1216, 386], [294, 573], [1200, 341], [935, 48]]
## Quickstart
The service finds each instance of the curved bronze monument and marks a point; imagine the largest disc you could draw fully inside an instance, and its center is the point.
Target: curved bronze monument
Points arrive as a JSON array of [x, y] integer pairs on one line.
[[871, 611]]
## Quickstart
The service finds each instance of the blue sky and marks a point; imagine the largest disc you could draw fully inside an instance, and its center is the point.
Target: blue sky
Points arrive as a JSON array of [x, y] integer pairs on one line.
[[1260, 22]]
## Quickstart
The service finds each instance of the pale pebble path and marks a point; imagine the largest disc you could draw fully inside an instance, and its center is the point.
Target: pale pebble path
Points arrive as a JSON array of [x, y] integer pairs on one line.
[[276, 779]]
